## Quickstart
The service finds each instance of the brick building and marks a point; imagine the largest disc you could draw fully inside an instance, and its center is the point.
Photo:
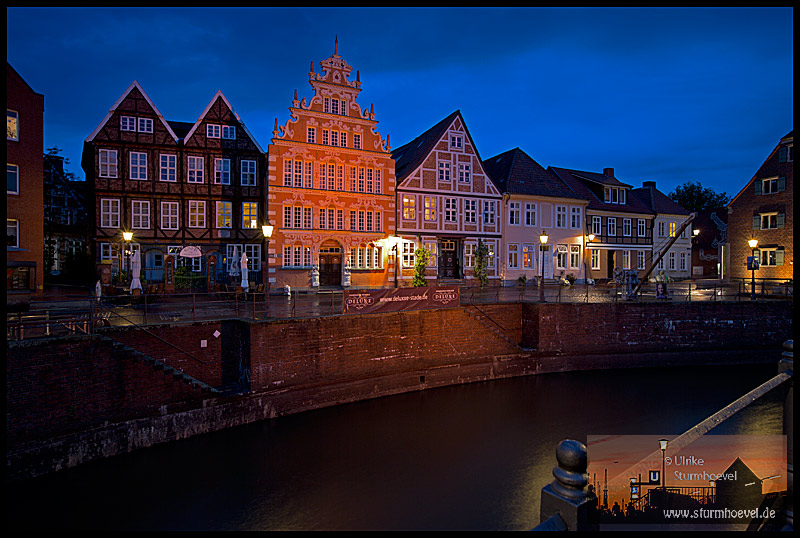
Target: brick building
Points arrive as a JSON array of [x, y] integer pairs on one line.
[[763, 210], [331, 188], [65, 205], [446, 203], [708, 246], [534, 200], [176, 185], [24, 193]]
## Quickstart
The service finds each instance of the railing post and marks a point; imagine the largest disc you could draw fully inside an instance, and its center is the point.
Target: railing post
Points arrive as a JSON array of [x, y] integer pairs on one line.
[[787, 364], [567, 495]]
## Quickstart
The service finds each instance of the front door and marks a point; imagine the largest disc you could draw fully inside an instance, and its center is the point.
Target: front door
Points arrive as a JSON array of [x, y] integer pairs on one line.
[[330, 269], [448, 260]]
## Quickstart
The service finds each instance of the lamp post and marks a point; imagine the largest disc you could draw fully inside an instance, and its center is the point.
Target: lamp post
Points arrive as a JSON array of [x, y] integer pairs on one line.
[[589, 239], [753, 244], [266, 229], [396, 241], [663, 444], [543, 240], [127, 236]]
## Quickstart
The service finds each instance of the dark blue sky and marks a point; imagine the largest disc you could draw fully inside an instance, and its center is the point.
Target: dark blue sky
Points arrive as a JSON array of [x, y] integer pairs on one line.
[[659, 94]]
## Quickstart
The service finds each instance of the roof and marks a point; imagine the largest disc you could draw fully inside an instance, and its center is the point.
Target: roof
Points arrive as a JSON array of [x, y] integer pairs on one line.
[[516, 172], [766, 167], [410, 156], [576, 180], [181, 128], [220, 95], [658, 202]]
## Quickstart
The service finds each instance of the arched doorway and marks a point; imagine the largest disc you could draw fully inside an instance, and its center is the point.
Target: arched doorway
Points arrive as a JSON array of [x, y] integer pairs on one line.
[[330, 263]]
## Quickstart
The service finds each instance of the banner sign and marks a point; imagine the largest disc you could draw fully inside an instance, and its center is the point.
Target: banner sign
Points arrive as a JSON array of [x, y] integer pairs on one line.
[[400, 299]]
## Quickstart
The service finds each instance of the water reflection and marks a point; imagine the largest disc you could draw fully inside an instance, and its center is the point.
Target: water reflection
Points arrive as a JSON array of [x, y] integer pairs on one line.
[[466, 457]]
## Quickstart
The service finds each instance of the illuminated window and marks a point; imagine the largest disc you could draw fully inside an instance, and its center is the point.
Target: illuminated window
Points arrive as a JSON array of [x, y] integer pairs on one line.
[[197, 213], [626, 259], [12, 125], [409, 209], [430, 208], [672, 229], [595, 259], [250, 215]]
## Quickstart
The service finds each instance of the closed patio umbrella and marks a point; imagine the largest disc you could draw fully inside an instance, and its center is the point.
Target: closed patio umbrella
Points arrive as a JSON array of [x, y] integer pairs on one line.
[[136, 269], [243, 267]]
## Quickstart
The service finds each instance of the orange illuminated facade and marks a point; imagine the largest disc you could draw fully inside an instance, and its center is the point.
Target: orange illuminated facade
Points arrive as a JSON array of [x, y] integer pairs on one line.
[[331, 189]]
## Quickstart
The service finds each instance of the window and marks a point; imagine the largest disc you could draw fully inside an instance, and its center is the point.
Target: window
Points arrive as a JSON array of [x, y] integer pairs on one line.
[[212, 131], [575, 221], [311, 135], [408, 254], [612, 226], [640, 259], [409, 211], [334, 138], [370, 182], [127, 123], [640, 229], [325, 137], [12, 125], [528, 256], [12, 233], [109, 213], [463, 173], [470, 211], [361, 187], [683, 261], [169, 215], [138, 165], [298, 173], [197, 213], [224, 214], [469, 254], [561, 216], [229, 132], [167, 169], [140, 214], [771, 257], [195, 169], [12, 177], [561, 257], [250, 215], [488, 212], [597, 226], [626, 259], [450, 210], [108, 162], [574, 256], [326, 104], [343, 139], [672, 229], [456, 141], [785, 154], [595, 259], [378, 181], [222, 171], [334, 106], [444, 171], [530, 214], [248, 176], [626, 227], [514, 213], [513, 256], [145, 125], [357, 141], [661, 229], [671, 257], [613, 195], [770, 185], [770, 221]]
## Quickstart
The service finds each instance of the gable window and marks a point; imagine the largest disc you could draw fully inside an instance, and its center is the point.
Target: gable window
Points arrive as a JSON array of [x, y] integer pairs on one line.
[[229, 132], [250, 214], [12, 125], [167, 170], [222, 171], [108, 162], [463, 173], [212, 130], [770, 221], [640, 229], [109, 212], [444, 171], [145, 125], [169, 215], [311, 135], [785, 154], [514, 213], [456, 141], [195, 169], [530, 214], [197, 213], [770, 185], [140, 214], [12, 178], [127, 123], [248, 176], [138, 165]]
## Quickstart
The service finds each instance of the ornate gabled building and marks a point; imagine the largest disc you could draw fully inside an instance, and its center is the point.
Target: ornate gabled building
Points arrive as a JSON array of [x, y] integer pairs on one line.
[[446, 203], [764, 210], [331, 188], [175, 185], [536, 201], [621, 224]]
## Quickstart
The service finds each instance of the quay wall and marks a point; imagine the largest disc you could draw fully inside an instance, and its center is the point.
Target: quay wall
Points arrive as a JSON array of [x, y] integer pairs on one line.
[[71, 400]]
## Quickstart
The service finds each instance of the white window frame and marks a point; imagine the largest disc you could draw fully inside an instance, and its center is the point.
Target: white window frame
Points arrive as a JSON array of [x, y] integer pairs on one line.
[[213, 130], [229, 132], [576, 214], [409, 207], [640, 227], [528, 256], [170, 212], [247, 176], [444, 172], [626, 259], [13, 224], [530, 214], [168, 167], [222, 171], [140, 214], [195, 169], [470, 211], [561, 257], [512, 255], [144, 125], [574, 256], [250, 211], [197, 214], [107, 160], [138, 165], [595, 259], [627, 228], [451, 210], [223, 215], [488, 212], [127, 123], [464, 173], [611, 223], [110, 211], [408, 256], [456, 141], [561, 216], [12, 169], [514, 214], [597, 225]]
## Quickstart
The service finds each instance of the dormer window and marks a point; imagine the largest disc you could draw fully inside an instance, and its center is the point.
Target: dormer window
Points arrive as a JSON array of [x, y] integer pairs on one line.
[[456, 141], [613, 195]]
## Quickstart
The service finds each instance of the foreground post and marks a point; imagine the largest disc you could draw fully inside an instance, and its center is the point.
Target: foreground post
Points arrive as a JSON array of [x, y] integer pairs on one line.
[[567, 496], [787, 364]]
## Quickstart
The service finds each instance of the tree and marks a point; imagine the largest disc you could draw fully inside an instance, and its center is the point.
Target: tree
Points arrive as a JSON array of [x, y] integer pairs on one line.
[[423, 255], [694, 197], [481, 262]]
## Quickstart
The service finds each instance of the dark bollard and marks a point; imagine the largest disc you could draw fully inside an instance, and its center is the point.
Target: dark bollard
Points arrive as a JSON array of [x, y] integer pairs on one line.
[[567, 495]]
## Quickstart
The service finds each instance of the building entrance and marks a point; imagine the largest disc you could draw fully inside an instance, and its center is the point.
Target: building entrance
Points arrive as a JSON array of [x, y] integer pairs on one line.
[[448, 259], [330, 264]]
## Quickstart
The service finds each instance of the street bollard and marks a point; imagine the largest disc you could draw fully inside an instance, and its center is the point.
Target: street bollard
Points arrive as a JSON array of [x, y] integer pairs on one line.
[[567, 495]]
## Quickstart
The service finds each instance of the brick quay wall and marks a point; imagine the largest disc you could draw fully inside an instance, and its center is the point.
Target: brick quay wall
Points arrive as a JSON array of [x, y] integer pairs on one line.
[[75, 399]]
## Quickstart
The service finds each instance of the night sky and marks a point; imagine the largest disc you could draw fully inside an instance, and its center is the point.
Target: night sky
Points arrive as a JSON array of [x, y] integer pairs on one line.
[[658, 94]]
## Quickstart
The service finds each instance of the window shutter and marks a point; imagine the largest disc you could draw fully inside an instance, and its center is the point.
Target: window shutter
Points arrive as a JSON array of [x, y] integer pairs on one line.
[[756, 222], [783, 153], [757, 184], [781, 220], [779, 257], [781, 184]]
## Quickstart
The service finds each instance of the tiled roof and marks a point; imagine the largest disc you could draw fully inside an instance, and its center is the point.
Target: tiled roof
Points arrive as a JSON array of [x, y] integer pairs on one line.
[[516, 172], [409, 156], [576, 179], [658, 202]]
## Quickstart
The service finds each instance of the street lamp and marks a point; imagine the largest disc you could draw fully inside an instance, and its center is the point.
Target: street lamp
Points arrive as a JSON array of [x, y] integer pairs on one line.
[[663, 444], [543, 240], [127, 236], [589, 239], [753, 244], [266, 229]]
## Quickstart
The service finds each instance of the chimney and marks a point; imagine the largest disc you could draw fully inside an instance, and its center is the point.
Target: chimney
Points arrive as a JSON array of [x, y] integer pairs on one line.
[[648, 184], [608, 172]]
